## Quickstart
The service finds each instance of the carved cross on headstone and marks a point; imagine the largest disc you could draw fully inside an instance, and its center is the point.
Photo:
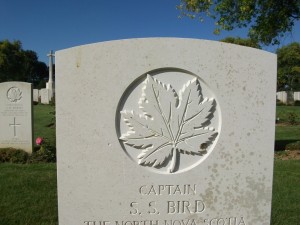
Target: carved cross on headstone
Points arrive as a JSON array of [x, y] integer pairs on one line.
[[14, 125]]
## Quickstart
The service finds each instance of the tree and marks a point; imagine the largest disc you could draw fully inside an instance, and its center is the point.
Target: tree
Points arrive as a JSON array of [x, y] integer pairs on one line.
[[10, 61], [268, 19], [242, 41], [289, 67], [17, 64]]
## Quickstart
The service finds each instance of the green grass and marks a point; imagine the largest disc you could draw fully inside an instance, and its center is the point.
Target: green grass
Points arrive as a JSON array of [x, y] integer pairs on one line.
[[43, 122], [28, 194], [286, 133], [286, 193], [282, 112]]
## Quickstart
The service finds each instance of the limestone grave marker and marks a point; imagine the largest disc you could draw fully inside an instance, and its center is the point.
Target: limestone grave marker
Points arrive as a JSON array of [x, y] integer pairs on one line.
[[36, 95], [45, 96], [16, 116], [165, 131]]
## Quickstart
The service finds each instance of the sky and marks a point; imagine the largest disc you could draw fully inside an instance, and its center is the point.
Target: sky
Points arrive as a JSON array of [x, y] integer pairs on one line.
[[42, 25]]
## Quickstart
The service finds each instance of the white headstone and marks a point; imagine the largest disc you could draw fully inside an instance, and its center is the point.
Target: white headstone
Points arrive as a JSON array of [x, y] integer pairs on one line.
[[36, 95], [16, 116], [165, 132], [45, 96], [282, 96], [297, 96]]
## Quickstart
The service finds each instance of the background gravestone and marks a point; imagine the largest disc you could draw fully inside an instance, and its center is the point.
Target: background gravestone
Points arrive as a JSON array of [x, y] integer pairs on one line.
[[16, 116], [45, 96], [165, 131], [36, 95]]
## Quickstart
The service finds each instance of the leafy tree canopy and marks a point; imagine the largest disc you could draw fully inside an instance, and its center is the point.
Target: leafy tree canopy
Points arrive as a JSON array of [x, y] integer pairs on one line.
[[242, 41], [289, 66], [268, 19], [17, 64]]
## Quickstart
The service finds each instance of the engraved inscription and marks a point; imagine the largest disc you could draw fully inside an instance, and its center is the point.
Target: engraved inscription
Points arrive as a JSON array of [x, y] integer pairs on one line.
[[14, 141], [14, 109], [169, 123], [168, 189], [171, 208], [14, 94], [212, 221], [182, 207]]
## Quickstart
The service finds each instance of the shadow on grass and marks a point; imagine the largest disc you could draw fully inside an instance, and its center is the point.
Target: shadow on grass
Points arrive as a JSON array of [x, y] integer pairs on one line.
[[280, 145]]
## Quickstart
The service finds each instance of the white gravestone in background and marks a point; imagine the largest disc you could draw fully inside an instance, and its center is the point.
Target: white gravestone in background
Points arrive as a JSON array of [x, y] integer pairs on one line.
[[36, 95], [165, 131], [45, 96], [297, 96], [16, 116], [282, 96]]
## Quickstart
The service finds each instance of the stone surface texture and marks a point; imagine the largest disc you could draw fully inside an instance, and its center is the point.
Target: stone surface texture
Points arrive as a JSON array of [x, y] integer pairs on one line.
[[45, 96], [297, 96], [16, 116], [36, 95], [215, 169]]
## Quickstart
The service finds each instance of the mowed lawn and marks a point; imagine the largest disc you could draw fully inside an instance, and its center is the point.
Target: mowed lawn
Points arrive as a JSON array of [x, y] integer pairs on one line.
[[43, 123], [28, 194], [286, 133]]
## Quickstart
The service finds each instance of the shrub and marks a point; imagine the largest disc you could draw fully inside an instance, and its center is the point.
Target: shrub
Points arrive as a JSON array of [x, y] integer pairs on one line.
[[280, 103], [297, 103], [293, 146], [43, 152], [52, 101], [292, 117], [13, 155]]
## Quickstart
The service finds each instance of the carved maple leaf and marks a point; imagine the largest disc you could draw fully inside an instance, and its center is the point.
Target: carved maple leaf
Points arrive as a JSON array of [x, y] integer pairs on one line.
[[170, 124]]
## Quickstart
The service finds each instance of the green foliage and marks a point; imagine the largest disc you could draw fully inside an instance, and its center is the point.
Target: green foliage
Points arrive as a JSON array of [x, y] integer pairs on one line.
[[44, 123], [52, 103], [292, 117], [242, 41], [17, 64], [44, 126], [41, 84], [13, 155], [289, 66], [268, 19], [293, 146], [43, 153]]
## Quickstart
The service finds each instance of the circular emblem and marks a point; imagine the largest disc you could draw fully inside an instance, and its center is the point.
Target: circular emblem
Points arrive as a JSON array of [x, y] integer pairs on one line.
[[168, 121], [14, 94]]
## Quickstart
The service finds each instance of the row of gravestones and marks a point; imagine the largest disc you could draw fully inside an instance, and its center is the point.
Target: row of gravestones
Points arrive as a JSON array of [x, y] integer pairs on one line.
[[43, 96], [178, 132], [287, 97]]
